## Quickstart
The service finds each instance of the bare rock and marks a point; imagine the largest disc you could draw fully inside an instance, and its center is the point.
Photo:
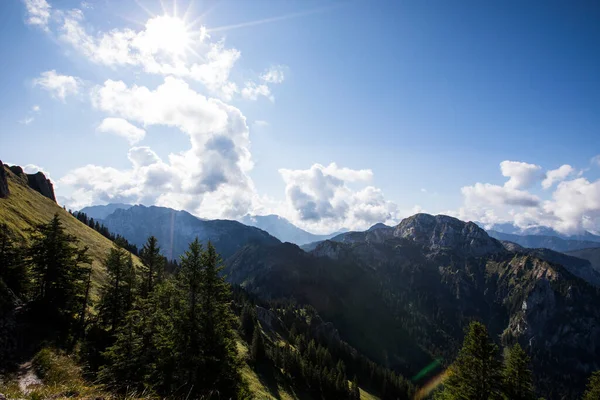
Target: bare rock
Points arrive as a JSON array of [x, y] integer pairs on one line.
[[43, 185], [4, 192]]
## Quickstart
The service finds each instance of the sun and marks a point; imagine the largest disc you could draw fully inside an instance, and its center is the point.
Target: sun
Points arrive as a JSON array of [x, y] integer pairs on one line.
[[168, 34]]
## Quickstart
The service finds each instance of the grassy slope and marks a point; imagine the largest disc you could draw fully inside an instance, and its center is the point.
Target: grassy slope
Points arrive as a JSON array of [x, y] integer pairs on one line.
[[24, 208]]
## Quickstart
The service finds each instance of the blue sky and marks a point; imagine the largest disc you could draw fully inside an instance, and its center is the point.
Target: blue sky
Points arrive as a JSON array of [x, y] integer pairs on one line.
[[417, 104]]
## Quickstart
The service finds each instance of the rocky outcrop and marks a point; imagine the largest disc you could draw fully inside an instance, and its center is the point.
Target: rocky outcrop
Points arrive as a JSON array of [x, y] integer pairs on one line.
[[37, 181], [43, 185], [4, 192], [269, 320], [443, 232]]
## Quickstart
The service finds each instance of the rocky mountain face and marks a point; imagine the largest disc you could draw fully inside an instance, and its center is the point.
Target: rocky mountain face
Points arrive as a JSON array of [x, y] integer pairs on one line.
[[176, 229], [403, 295], [37, 181], [549, 242], [283, 229], [4, 192], [103, 211]]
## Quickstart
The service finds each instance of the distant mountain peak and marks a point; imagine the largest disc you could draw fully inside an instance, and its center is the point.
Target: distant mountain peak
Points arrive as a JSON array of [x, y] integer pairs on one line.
[[444, 232], [379, 225]]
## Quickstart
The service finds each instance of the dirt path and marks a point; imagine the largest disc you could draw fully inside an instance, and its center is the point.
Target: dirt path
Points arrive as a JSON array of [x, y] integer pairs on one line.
[[28, 378]]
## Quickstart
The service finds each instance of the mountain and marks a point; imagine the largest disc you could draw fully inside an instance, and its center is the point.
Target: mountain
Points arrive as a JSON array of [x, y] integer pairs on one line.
[[176, 229], [23, 206], [591, 255], [101, 212], [283, 229], [404, 294], [549, 242], [538, 230]]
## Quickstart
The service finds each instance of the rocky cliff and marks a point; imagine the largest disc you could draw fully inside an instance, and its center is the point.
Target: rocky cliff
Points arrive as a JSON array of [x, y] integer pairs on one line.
[[3, 182], [37, 182]]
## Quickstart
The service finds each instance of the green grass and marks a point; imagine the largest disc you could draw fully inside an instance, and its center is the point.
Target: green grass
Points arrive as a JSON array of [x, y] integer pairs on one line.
[[25, 208]]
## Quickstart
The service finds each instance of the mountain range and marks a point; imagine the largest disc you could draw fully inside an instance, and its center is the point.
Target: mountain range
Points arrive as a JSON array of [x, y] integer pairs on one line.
[[403, 294]]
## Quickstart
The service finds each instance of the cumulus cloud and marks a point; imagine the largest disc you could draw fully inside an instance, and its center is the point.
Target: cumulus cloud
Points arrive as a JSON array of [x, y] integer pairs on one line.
[[574, 205], [217, 162], [320, 197], [121, 127], [557, 175], [38, 13], [60, 86], [486, 193], [521, 175]]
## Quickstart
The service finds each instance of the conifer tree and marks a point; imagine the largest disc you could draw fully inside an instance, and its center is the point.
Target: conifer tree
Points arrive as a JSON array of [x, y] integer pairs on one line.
[[154, 265], [517, 380], [593, 387], [475, 375], [247, 322], [189, 341], [222, 369], [257, 349], [59, 277], [116, 293], [13, 271]]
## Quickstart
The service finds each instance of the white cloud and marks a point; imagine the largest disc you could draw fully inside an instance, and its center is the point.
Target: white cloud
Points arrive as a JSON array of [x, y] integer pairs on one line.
[[574, 206], [27, 120], [596, 160], [60, 86], [35, 108], [38, 13], [486, 193], [215, 166], [252, 91], [274, 74], [121, 127], [557, 175], [521, 175], [320, 198]]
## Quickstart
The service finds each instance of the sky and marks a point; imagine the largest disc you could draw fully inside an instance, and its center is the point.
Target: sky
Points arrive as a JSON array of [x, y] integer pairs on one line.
[[333, 114]]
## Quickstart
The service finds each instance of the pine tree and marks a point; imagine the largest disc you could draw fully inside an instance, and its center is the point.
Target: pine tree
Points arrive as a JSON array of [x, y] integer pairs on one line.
[[116, 293], [257, 349], [222, 369], [593, 387], [475, 375], [154, 265], [517, 380], [247, 322], [188, 336], [59, 279], [13, 270]]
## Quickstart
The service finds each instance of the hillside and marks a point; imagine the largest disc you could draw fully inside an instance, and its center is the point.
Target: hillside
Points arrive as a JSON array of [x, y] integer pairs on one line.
[[403, 295], [25, 207], [176, 229]]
